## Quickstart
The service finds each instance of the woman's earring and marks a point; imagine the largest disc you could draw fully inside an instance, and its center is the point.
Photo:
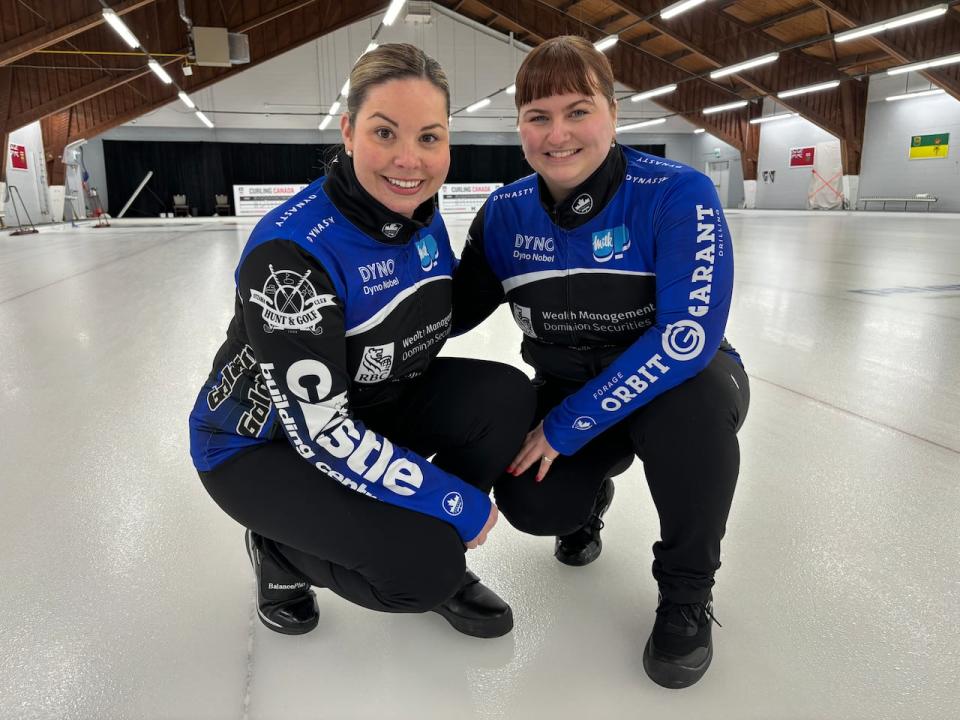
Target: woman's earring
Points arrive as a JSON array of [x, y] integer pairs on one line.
[[349, 153], [613, 143]]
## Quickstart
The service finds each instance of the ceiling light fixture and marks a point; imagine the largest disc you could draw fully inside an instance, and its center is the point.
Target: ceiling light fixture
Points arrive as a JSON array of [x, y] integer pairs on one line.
[[912, 95], [159, 71], [679, 7], [809, 89], [665, 90], [926, 64], [746, 65], [721, 108], [114, 21], [899, 21], [774, 118], [393, 12], [478, 104], [645, 123], [606, 43]]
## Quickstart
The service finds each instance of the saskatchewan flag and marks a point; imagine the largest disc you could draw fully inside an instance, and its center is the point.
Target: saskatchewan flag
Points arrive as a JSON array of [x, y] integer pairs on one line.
[[924, 147]]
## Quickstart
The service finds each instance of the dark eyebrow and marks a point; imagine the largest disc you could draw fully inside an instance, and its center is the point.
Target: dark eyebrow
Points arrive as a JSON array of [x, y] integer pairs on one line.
[[568, 107], [396, 125], [378, 114]]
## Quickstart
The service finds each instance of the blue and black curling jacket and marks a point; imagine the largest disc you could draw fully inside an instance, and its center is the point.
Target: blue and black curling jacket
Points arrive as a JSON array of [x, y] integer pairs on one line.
[[622, 289], [339, 301]]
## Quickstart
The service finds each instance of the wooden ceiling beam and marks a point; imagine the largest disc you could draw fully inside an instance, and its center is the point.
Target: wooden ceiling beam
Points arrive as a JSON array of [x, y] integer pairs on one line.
[[911, 43], [335, 19], [721, 42], [44, 38], [641, 70]]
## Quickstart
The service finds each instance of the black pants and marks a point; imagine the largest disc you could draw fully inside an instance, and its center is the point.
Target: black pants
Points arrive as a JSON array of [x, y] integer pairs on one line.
[[472, 414], [687, 441]]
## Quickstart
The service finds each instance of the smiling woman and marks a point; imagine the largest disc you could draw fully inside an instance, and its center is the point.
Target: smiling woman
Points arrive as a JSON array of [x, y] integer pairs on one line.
[[322, 405], [400, 150], [618, 268]]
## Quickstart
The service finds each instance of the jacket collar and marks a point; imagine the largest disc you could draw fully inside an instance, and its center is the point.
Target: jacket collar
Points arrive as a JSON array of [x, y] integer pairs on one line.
[[590, 197], [369, 215]]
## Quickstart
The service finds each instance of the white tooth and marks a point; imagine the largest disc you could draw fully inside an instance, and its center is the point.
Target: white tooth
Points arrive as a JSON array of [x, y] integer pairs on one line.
[[404, 183]]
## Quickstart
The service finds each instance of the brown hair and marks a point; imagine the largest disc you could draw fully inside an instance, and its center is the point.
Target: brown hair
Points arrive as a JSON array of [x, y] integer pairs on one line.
[[564, 64], [393, 61]]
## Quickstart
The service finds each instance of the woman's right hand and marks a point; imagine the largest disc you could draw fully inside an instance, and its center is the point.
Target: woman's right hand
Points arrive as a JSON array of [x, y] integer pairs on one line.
[[487, 527]]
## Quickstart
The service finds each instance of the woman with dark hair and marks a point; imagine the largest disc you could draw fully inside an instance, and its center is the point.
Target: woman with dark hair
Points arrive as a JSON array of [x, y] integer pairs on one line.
[[327, 396], [618, 267]]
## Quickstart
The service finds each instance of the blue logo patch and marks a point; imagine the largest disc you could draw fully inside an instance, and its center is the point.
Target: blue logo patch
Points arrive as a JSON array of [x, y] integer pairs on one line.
[[427, 249], [610, 243]]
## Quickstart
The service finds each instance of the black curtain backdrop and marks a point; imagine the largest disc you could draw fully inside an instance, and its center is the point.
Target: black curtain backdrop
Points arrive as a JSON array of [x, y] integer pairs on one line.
[[200, 170]]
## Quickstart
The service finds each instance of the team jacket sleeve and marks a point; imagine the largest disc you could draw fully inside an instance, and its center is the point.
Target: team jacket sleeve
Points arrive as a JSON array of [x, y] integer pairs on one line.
[[694, 276], [476, 289], [295, 324]]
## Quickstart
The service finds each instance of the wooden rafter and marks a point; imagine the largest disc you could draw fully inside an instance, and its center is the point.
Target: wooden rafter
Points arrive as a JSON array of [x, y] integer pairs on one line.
[[911, 43], [717, 39], [44, 38], [115, 83], [639, 69]]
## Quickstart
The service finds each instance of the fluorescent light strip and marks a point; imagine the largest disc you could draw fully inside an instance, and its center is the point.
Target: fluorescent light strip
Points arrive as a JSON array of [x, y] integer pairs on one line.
[[606, 43], [159, 71], [511, 90], [120, 27], [345, 90], [679, 7], [774, 118], [721, 108], [899, 21], [763, 60], [326, 122], [186, 100], [204, 119], [370, 47], [912, 95], [809, 89], [645, 123], [393, 11], [478, 104], [939, 62], [334, 108], [699, 130], [666, 89]]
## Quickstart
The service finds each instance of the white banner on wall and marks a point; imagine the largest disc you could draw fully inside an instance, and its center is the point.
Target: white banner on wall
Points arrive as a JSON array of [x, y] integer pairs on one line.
[[826, 178], [257, 200], [465, 197]]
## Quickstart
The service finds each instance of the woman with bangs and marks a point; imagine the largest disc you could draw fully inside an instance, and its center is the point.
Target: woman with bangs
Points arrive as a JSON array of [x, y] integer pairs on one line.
[[618, 268]]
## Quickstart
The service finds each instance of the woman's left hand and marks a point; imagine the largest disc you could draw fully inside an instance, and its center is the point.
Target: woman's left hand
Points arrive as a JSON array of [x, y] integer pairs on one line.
[[535, 449]]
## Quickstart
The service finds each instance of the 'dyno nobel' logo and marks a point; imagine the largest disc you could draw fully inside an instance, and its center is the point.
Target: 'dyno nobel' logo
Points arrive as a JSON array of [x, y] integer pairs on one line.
[[290, 302], [428, 251], [610, 243]]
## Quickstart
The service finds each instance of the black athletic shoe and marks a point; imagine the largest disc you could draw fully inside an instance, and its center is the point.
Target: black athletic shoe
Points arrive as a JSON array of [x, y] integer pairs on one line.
[[477, 610], [680, 647], [285, 602], [583, 546]]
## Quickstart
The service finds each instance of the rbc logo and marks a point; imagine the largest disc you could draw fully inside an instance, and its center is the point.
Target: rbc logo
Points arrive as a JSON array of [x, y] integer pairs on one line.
[[610, 243], [427, 249]]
